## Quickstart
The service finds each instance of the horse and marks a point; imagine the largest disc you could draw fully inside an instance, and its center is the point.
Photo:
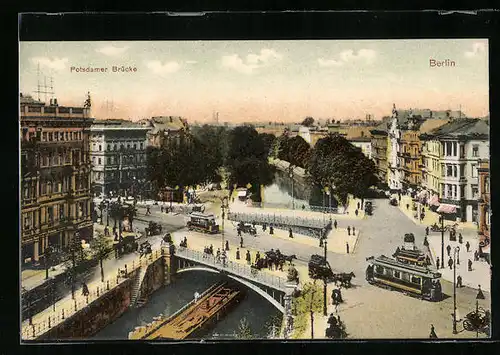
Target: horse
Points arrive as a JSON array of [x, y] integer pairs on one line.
[[345, 279], [289, 258]]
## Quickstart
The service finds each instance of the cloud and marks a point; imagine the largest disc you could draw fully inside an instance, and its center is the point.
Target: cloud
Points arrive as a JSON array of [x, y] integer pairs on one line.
[[191, 61], [167, 68], [478, 48], [348, 56], [265, 58], [55, 63], [111, 50]]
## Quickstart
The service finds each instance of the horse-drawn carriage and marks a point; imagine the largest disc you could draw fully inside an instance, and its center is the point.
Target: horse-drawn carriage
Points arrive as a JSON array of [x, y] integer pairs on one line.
[[128, 244], [153, 228], [393, 202], [145, 248], [319, 269], [368, 208], [275, 258], [247, 228], [477, 320]]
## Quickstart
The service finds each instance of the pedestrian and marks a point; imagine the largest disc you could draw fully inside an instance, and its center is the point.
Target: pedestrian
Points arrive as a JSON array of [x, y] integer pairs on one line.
[[356, 212], [353, 230], [185, 242], [348, 230], [433, 333], [407, 205], [106, 231], [248, 257], [358, 205], [426, 242], [264, 227], [237, 253], [422, 217], [476, 256], [470, 265], [217, 255], [450, 263], [161, 208], [427, 260], [437, 262], [85, 289], [467, 246], [241, 242], [347, 247], [224, 257], [480, 294], [448, 249], [271, 230], [211, 249], [233, 199], [321, 242], [426, 231], [459, 281], [290, 233], [335, 224], [227, 245], [303, 207], [460, 238], [257, 256], [239, 231]]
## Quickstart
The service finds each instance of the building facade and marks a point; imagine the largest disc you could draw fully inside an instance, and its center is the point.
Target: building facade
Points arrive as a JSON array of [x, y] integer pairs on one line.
[[379, 150], [118, 153], [55, 176], [163, 129], [463, 142], [363, 143], [484, 225]]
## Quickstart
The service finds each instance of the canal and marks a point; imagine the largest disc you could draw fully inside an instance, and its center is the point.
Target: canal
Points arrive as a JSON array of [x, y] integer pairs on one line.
[[305, 194], [254, 311]]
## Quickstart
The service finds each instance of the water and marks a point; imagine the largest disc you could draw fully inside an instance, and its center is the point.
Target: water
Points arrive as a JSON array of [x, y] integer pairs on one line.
[[279, 194], [257, 311]]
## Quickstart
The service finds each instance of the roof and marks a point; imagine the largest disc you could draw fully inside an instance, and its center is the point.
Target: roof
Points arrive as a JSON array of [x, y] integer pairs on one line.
[[429, 125], [394, 264], [473, 127], [359, 139], [115, 124], [172, 123], [382, 127], [28, 99]]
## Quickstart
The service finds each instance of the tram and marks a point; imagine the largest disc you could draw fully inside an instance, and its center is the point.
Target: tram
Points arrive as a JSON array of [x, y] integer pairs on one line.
[[202, 222], [410, 279]]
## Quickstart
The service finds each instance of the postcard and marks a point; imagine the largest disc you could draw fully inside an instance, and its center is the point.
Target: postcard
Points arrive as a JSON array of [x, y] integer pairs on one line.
[[274, 189]]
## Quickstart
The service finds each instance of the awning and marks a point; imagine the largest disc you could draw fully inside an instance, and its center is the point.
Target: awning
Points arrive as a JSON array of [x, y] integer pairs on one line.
[[434, 201], [242, 193], [444, 208]]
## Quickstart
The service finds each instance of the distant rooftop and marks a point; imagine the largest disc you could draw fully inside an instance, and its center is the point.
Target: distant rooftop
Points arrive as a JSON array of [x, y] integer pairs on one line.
[[473, 127], [116, 124]]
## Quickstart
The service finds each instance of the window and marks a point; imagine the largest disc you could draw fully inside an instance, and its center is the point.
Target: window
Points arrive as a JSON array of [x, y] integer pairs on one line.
[[44, 136], [109, 160], [128, 146], [379, 269], [135, 146], [405, 276], [449, 170], [66, 135], [462, 191], [27, 220], [51, 136], [415, 279], [455, 171], [99, 161], [443, 172], [462, 151], [93, 160], [61, 136], [462, 170], [397, 274], [141, 145], [454, 149], [61, 211], [455, 191], [122, 146], [448, 148], [475, 150], [474, 170], [114, 146], [475, 191], [100, 147]]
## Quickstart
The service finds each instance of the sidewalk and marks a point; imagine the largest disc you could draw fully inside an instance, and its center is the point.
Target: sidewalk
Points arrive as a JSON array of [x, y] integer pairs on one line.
[[481, 271], [430, 217]]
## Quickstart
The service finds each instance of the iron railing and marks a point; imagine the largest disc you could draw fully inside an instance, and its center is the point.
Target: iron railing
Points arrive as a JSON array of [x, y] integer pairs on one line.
[[238, 269], [274, 219]]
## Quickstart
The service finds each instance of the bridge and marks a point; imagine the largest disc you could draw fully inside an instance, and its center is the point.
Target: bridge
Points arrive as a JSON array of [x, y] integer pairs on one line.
[[172, 260], [273, 288]]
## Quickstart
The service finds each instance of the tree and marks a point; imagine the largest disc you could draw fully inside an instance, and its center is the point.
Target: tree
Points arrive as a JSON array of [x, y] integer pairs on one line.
[[336, 163], [101, 248], [308, 121], [74, 260], [268, 140], [310, 302], [294, 150], [247, 159], [130, 212]]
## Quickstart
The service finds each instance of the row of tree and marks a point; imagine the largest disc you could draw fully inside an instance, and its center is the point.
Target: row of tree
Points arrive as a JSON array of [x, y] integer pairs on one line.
[[197, 157], [333, 162]]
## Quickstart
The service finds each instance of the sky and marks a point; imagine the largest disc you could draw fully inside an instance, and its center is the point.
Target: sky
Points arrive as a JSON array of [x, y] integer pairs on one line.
[[262, 81]]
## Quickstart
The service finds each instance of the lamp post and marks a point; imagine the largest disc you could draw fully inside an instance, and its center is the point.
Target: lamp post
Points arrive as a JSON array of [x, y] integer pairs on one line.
[[324, 283], [46, 259], [479, 296], [223, 209], [442, 241], [291, 177], [455, 253]]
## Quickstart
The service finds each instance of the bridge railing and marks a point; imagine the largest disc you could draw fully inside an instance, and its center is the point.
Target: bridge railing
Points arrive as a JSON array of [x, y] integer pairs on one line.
[[67, 307], [235, 268]]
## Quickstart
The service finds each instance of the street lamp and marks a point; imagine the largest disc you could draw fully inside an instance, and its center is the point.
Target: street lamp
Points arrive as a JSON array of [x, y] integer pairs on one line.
[[291, 177], [46, 259], [223, 208], [325, 312], [455, 254], [442, 241], [479, 296]]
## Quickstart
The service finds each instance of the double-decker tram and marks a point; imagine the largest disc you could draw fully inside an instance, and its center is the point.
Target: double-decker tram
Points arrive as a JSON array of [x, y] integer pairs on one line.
[[202, 222], [410, 279]]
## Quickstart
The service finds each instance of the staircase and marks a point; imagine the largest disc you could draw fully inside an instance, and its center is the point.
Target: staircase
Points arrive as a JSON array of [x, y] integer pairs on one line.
[[135, 300]]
